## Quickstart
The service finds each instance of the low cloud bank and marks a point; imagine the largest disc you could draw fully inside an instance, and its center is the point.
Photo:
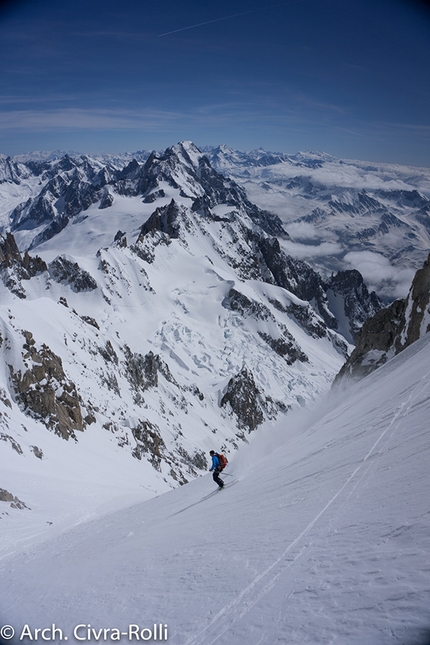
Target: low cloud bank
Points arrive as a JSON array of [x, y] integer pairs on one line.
[[380, 275], [305, 251]]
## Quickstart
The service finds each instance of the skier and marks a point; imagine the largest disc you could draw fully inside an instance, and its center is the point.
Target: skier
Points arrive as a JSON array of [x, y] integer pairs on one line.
[[216, 468]]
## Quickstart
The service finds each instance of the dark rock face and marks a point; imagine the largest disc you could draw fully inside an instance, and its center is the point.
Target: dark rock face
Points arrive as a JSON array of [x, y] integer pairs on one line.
[[359, 305], [14, 444], [142, 371], [295, 276], [288, 349], [37, 452], [374, 341], [120, 239], [14, 268], [149, 443], [44, 392], [53, 228], [66, 272], [11, 258], [33, 265], [9, 253], [151, 446], [417, 306], [166, 219], [243, 397], [109, 353], [237, 301], [392, 329], [14, 502], [304, 316], [106, 200], [149, 199]]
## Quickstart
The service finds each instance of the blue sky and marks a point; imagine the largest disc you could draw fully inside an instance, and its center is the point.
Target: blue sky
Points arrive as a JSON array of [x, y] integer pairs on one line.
[[349, 77]]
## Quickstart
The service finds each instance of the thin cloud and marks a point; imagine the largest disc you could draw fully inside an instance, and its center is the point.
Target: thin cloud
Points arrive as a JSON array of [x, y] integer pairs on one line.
[[15, 99], [331, 107], [417, 128], [304, 231], [213, 115], [74, 118]]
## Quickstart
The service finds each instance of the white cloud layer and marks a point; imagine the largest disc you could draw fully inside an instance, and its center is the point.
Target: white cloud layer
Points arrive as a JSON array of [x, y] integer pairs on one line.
[[305, 231], [304, 251], [379, 274]]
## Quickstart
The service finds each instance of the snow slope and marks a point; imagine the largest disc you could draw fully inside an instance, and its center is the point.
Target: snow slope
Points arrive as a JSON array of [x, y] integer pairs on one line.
[[322, 536]]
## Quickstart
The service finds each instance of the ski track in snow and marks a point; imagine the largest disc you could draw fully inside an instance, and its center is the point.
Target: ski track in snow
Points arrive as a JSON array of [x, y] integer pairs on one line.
[[229, 615], [205, 497]]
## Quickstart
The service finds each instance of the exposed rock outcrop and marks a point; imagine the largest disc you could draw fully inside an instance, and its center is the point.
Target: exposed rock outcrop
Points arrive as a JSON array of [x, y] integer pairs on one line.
[[9, 252], [14, 268], [44, 391], [295, 276], [142, 371], [14, 502], [392, 329], [67, 272], [165, 219], [149, 443], [348, 289], [14, 444], [243, 398]]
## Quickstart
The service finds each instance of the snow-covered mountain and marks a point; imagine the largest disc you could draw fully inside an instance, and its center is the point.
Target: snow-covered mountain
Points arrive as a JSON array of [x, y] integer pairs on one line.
[[340, 214], [155, 311]]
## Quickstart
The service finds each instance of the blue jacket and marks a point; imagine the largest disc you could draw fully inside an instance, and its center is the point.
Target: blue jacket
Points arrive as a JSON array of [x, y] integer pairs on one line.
[[215, 463]]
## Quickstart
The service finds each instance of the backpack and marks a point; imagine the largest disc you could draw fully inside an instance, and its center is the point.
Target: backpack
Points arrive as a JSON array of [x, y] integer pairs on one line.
[[223, 461]]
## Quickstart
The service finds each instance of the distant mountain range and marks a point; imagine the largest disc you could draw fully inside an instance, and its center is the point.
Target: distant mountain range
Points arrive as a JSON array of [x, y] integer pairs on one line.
[[340, 214]]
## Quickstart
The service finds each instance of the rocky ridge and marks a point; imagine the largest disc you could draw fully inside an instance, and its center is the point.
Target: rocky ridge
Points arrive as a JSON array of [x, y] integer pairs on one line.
[[391, 330]]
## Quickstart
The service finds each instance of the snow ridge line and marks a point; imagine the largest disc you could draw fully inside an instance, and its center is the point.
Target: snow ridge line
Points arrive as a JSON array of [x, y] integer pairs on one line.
[[239, 607]]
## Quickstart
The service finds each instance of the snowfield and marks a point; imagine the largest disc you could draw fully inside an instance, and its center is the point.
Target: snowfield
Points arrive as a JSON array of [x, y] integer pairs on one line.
[[321, 536]]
